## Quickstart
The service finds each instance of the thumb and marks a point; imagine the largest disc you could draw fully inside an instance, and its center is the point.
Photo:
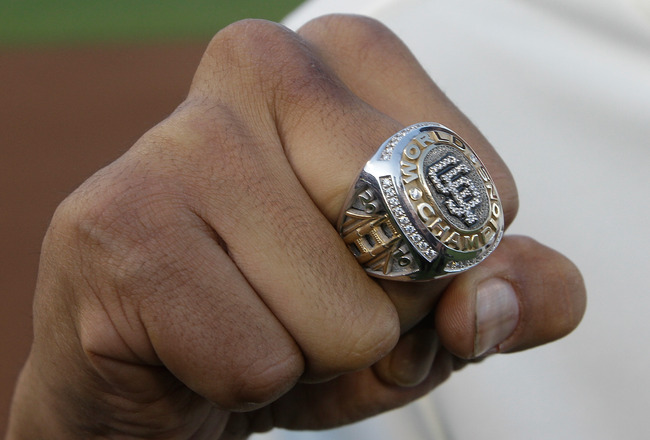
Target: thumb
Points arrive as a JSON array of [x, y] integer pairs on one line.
[[524, 295]]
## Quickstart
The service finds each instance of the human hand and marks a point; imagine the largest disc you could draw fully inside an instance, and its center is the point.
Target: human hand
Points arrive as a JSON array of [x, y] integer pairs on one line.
[[196, 288]]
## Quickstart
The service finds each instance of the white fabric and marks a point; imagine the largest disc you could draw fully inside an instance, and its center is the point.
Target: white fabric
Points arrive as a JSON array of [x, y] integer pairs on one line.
[[562, 89]]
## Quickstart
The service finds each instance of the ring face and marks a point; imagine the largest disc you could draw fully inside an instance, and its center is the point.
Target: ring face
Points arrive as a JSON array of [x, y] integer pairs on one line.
[[423, 207]]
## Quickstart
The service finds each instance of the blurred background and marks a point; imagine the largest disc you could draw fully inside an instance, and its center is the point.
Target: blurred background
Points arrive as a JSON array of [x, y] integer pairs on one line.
[[80, 81]]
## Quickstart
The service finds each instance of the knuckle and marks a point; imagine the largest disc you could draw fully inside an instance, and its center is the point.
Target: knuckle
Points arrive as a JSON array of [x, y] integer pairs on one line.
[[378, 335], [252, 35], [265, 379], [361, 37], [114, 212], [362, 30], [268, 62], [251, 48], [358, 341], [114, 223]]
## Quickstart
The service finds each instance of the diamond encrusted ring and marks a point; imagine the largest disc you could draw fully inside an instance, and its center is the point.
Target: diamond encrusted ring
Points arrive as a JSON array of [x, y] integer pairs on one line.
[[423, 207]]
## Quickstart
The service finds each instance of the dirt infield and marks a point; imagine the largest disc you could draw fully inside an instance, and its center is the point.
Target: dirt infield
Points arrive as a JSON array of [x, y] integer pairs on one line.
[[65, 113]]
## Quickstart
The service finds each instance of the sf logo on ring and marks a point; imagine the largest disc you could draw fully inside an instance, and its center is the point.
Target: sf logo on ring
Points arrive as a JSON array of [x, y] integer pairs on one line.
[[449, 177]]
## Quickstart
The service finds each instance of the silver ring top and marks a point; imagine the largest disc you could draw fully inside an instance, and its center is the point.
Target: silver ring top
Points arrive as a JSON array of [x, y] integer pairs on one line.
[[424, 207]]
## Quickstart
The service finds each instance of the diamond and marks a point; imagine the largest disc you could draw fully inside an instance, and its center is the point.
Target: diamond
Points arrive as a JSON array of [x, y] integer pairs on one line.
[[387, 153], [430, 254], [415, 193]]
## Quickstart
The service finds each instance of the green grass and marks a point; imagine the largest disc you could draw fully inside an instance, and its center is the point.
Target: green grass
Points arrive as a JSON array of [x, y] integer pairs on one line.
[[56, 22]]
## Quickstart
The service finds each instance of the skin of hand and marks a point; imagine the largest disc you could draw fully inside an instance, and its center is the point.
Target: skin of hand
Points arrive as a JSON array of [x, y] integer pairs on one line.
[[197, 288]]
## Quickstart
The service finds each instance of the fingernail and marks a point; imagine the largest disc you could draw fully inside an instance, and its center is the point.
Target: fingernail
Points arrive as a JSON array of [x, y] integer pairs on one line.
[[497, 314]]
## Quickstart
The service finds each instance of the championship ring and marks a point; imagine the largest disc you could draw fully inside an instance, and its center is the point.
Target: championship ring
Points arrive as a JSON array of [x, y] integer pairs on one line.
[[423, 207]]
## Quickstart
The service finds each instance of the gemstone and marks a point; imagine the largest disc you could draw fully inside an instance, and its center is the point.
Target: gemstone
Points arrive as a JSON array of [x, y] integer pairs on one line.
[[415, 193], [430, 254]]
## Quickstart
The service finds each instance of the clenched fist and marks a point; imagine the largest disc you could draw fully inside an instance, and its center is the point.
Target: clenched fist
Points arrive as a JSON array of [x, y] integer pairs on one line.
[[197, 288]]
